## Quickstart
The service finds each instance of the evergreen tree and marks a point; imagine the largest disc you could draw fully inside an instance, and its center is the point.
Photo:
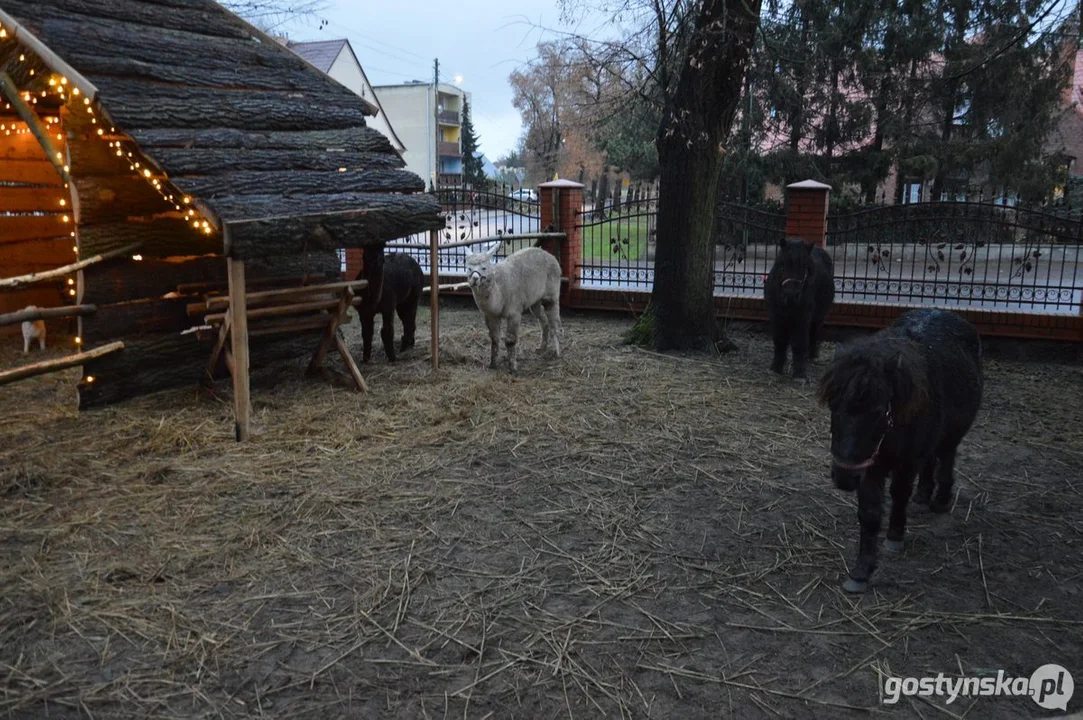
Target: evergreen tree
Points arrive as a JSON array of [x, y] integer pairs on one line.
[[956, 94], [473, 171]]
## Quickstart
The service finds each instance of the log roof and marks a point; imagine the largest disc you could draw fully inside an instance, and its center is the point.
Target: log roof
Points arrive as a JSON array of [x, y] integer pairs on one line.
[[236, 120]]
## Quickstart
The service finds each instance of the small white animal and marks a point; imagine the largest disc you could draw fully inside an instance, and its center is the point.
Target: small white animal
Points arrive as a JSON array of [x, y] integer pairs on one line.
[[528, 280], [33, 329]]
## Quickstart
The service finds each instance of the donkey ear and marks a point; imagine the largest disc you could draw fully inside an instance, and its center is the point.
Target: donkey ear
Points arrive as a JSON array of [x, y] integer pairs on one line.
[[808, 246], [909, 384], [782, 241]]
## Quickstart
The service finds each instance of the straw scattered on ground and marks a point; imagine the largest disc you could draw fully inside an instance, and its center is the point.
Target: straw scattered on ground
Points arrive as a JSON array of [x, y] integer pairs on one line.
[[617, 533]]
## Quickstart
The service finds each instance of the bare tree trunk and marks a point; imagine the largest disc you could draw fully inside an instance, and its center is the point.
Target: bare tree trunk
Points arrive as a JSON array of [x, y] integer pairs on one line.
[[696, 121], [603, 194]]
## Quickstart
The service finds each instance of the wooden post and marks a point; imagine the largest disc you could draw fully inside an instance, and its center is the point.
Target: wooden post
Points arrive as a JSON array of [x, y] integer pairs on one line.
[[47, 366], [21, 316], [239, 336], [806, 211], [434, 297], [38, 277]]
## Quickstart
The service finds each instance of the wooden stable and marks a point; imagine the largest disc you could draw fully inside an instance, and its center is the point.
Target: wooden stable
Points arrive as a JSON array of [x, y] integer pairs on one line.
[[165, 155]]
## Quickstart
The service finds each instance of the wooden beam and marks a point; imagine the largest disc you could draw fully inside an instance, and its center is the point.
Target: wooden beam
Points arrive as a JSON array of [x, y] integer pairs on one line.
[[434, 297], [48, 366], [47, 313], [447, 286], [30, 279], [19, 228], [16, 199], [30, 172], [37, 127], [50, 58], [332, 330], [239, 335], [274, 310], [351, 364], [265, 296], [219, 345]]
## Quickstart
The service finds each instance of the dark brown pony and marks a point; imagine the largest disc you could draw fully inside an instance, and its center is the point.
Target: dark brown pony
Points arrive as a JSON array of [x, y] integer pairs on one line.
[[901, 401], [799, 291], [397, 289]]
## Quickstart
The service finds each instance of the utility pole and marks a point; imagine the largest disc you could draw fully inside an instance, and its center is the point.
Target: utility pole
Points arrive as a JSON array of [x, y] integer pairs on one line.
[[436, 121]]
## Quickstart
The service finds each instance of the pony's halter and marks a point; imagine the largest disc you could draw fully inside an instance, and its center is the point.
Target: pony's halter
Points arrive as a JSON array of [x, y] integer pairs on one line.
[[872, 458], [795, 281]]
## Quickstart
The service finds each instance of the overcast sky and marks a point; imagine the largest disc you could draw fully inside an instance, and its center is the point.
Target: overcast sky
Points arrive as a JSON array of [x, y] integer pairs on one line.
[[481, 41]]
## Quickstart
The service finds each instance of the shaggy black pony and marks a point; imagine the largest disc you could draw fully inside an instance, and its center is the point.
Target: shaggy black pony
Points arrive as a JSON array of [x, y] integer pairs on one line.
[[799, 291], [901, 401], [398, 288]]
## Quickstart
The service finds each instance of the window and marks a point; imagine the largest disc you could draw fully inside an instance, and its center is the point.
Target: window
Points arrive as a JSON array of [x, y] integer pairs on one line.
[[956, 193], [1005, 198], [911, 192]]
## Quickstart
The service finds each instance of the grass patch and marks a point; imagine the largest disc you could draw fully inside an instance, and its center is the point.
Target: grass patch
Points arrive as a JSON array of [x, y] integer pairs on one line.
[[631, 232]]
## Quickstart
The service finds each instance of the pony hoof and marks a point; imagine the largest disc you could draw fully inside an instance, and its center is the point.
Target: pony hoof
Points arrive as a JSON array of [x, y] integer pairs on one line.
[[895, 546], [855, 586]]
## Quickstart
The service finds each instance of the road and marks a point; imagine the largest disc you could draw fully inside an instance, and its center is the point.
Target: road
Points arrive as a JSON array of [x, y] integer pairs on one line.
[[466, 225]]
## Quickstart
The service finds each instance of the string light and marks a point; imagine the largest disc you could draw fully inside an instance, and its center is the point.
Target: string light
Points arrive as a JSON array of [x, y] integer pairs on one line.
[[67, 93], [78, 341], [90, 378]]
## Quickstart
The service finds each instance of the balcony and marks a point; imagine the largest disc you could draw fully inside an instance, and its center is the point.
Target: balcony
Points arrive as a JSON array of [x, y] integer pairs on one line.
[[448, 117], [448, 149]]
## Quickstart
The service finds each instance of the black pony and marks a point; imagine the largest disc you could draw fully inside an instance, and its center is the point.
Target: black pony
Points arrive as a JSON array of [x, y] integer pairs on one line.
[[901, 401], [800, 289], [398, 288]]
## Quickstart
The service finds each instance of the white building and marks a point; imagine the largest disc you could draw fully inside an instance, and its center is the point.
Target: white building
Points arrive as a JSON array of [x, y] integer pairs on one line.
[[430, 124], [337, 59]]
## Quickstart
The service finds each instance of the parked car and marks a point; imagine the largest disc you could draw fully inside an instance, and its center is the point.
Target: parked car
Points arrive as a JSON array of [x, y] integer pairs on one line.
[[523, 195]]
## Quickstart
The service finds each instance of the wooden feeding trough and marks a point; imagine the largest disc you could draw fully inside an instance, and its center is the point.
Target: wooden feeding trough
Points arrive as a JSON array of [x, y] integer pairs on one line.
[[154, 156]]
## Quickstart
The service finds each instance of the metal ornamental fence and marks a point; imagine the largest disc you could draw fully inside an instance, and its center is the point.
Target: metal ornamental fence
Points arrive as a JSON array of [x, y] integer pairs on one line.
[[504, 214], [957, 254], [951, 254]]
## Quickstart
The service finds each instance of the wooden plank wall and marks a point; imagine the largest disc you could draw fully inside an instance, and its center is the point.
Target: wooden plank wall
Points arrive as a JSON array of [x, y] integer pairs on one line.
[[137, 300], [33, 235]]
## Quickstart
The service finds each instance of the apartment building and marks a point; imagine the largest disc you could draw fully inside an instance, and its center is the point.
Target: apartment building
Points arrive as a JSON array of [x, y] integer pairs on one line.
[[429, 121]]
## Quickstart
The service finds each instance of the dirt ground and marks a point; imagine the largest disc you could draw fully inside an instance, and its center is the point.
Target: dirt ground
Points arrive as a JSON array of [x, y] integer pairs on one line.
[[613, 534]]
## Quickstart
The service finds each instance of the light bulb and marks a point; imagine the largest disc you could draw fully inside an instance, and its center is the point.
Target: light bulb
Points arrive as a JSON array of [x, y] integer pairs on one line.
[[78, 341], [75, 91], [137, 258], [90, 378], [71, 281]]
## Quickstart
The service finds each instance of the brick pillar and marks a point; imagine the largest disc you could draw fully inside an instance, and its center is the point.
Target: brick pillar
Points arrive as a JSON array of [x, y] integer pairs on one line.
[[353, 263], [806, 211], [561, 203]]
